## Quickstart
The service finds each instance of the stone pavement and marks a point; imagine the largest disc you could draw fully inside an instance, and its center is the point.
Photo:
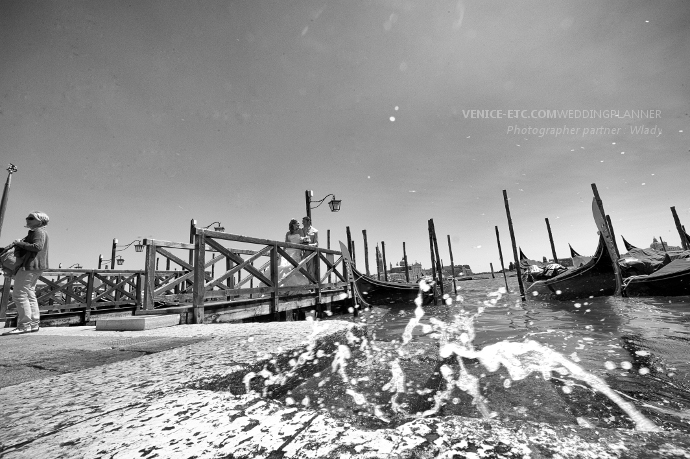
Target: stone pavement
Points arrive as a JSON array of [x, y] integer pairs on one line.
[[168, 404]]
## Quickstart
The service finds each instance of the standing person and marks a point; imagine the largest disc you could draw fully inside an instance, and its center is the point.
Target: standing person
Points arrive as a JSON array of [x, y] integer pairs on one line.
[[32, 260], [312, 233], [293, 236]]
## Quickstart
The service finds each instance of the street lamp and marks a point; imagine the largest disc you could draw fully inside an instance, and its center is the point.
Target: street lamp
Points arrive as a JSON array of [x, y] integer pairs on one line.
[[218, 227], [334, 204], [76, 266]]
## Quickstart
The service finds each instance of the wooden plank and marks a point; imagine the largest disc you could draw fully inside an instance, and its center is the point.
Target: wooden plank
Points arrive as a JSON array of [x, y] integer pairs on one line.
[[150, 281], [169, 244], [274, 275], [253, 240]]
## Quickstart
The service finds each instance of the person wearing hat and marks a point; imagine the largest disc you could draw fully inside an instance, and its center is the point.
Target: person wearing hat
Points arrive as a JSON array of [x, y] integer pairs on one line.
[[32, 260]]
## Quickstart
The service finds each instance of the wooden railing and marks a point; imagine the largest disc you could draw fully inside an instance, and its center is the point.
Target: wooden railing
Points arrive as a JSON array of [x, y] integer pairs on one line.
[[65, 290], [244, 275], [271, 282]]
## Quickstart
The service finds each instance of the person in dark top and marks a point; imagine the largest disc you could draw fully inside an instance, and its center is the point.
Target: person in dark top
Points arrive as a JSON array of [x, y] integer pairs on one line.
[[32, 260]]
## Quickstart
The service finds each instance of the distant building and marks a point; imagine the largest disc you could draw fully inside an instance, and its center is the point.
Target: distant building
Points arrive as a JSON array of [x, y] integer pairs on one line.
[[397, 272], [656, 245]]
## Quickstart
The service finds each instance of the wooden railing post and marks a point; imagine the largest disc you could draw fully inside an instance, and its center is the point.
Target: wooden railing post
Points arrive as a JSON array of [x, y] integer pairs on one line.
[[274, 280], [317, 269], [89, 297], [139, 295], [4, 301], [199, 275], [150, 273]]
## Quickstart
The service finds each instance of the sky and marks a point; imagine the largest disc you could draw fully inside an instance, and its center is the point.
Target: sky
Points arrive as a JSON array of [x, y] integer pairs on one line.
[[127, 119]]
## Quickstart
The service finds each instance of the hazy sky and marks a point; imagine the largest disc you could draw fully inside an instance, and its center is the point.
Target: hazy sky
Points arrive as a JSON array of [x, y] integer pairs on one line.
[[127, 119]]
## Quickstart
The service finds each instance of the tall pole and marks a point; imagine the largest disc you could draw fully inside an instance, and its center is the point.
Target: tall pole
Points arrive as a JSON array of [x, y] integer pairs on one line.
[[407, 269], [500, 255], [378, 262], [307, 198], [512, 240], [679, 228], [6, 193], [366, 252], [553, 248], [100, 260], [354, 262], [383, 258], [452, 266], [349, 243], [663, 244], [328, 246], [613, 236], [192, 233], [112, 257], [439, 263], [433, 260], [492, 270]]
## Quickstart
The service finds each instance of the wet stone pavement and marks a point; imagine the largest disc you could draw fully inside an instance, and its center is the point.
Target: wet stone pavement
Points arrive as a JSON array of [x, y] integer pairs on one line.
[[182, 397]]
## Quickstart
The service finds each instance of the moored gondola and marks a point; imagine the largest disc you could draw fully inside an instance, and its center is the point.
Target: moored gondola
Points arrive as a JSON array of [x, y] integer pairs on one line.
[[594, 278], [671, 280], [372, 291]]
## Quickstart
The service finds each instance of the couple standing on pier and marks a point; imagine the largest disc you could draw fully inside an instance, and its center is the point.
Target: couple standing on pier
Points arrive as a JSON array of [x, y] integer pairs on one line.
[[298, 234]]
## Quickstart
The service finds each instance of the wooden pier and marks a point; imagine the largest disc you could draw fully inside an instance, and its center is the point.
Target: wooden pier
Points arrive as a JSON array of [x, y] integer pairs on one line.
[[221, 284]]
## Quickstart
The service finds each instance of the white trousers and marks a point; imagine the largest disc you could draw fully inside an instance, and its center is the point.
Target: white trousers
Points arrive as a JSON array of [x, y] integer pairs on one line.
[[24, 296]]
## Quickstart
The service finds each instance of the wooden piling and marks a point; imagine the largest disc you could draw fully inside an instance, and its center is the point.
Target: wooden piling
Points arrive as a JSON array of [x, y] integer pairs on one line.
[[679, 228], [349, 244], [613, 236], [613, 252], [385, 265], [378, 262], [407, 269], [433, 261], [553, 247], [663, 245], [112, 254], [354, 263], [452, 266], [512, 240], [500, 255], [328, 246], [492, 270], [366, 252], [439, 264]]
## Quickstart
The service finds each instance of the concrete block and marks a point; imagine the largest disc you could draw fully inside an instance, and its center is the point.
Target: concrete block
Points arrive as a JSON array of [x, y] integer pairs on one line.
[[138, 322]]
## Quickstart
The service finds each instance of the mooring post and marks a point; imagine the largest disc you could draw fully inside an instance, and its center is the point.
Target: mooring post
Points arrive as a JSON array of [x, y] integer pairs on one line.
[[407, 269], [439, 263], [608, 240], [491, 265], [679, 228], [378, 262], [433, 258], [383, 258], [553, 247], [663, 245], [452, 266], [349, 245], [366, 252], [512, 240], [354, 262], [500, 256], [613, 236]]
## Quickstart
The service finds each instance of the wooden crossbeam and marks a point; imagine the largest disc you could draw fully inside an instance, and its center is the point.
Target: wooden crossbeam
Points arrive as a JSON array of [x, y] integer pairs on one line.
[[115, 288], [331, 268], [239, 260], [298, 266], [239, 267], [174, 258], [248, 278], [185, 277], [61, 288]]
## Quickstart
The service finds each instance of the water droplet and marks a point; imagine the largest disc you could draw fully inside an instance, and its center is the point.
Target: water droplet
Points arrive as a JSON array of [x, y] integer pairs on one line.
[[643, 371], [626, 365], [392, 118], [609, 365]]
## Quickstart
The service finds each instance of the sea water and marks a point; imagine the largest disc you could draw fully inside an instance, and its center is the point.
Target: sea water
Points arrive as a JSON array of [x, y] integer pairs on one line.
[[483, 352]]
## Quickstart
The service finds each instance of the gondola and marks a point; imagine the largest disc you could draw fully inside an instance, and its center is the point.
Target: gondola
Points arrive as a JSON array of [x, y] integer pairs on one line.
[[375, 292], [594, 278], [671, 280]]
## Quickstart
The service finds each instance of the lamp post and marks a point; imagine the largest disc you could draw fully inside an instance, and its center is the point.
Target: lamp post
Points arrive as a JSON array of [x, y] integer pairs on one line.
[[218, 227], [334, 204], [139, 247], [6, 193]]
